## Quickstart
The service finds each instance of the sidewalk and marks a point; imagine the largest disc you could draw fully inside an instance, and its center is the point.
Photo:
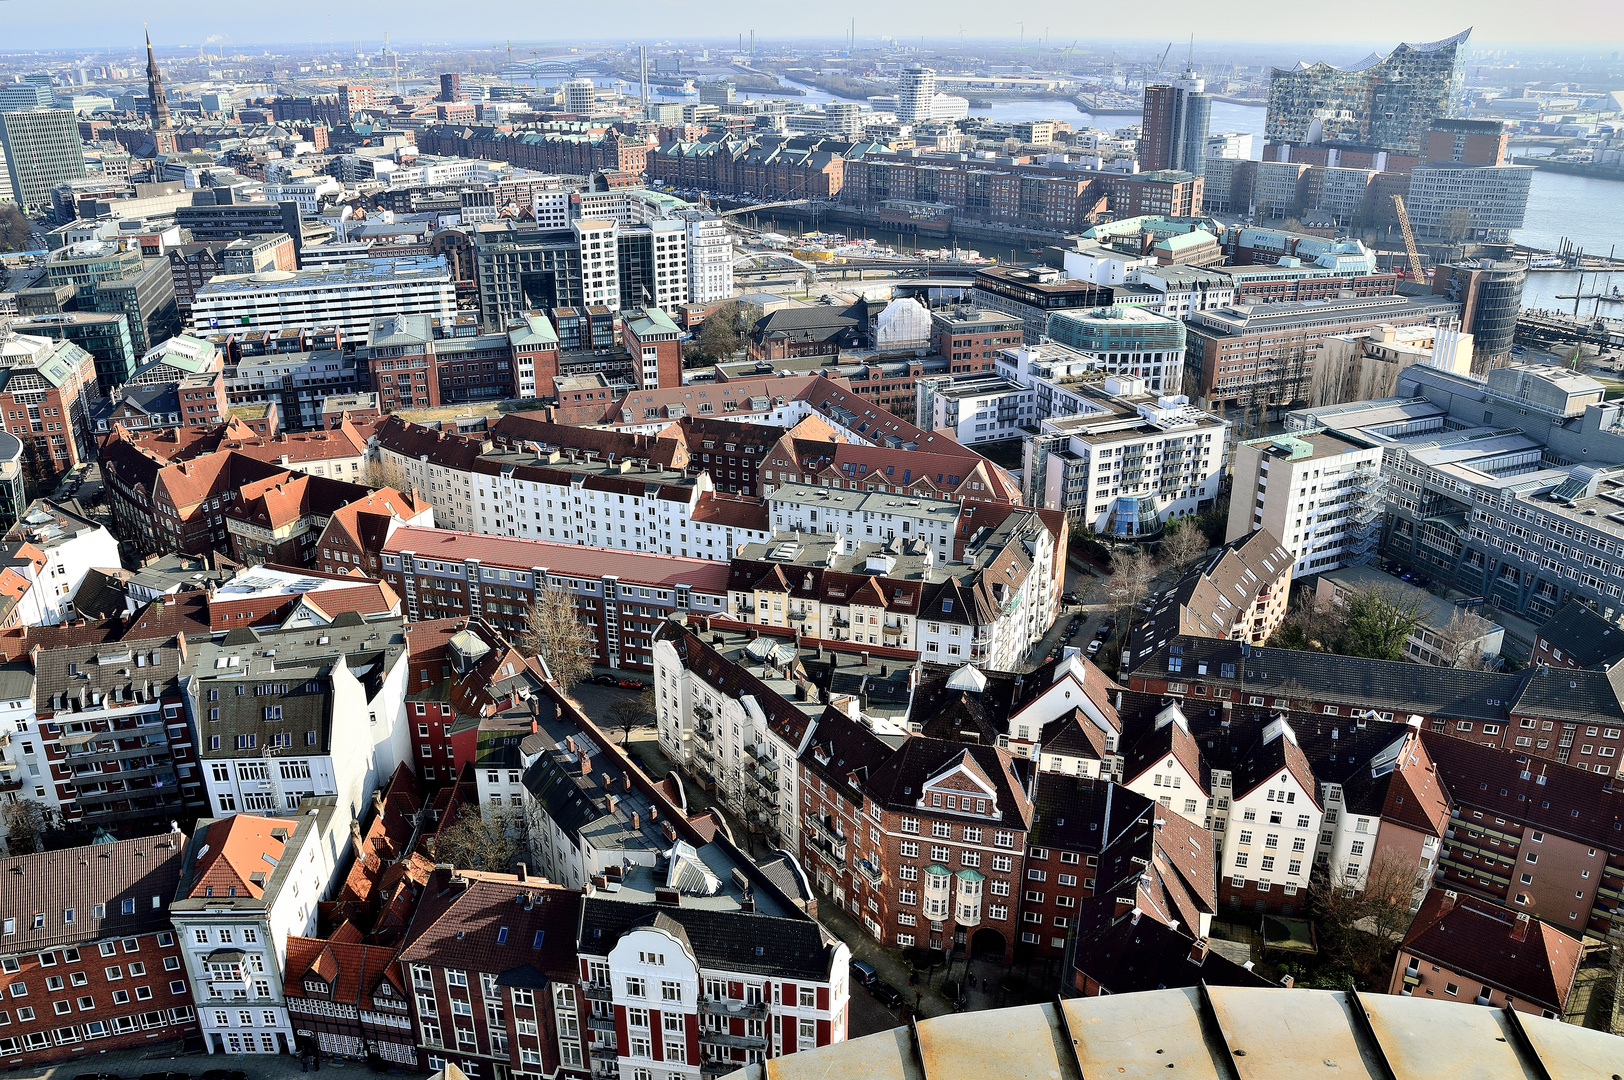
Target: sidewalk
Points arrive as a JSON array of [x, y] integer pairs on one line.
[[166, 1057]]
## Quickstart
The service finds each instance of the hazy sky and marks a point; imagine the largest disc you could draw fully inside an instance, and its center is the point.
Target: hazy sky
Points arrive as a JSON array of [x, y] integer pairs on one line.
[[33, 24]]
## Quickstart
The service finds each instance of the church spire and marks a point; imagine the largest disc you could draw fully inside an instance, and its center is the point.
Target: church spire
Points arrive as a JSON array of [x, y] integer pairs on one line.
[[155, 91]]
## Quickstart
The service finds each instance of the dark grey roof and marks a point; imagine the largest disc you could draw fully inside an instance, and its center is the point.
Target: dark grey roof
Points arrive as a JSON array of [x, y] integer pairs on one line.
[[721, 940], [1384, 685], [1584, 636], [293, 700], [129, 670], [1563, 693], [1128, 952], [139, 871]]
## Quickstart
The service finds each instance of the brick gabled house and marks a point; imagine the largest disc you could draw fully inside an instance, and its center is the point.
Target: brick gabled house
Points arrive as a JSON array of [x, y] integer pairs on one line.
[[1465, 948], [492, 969], [90, 961], [349, 999], [923, 844]]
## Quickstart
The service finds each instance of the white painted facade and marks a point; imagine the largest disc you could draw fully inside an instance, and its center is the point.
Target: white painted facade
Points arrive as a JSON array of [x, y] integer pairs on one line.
[[1267, 834], [240, 1003]]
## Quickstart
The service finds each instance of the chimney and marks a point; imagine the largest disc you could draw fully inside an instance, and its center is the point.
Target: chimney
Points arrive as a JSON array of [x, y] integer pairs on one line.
[[669, 830], [523, 872], [586, 764], [1198, 951], [653, 811], [377, 800], [1124, 904], [627, 778], [637, 821], [355, 837], [1519, 929], [607, 780], [1287, 981], [609, 801], [569, 741], [1450, 896]]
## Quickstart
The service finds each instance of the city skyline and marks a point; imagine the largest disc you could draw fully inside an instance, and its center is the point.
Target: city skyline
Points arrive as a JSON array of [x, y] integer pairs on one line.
[[1586, 24]]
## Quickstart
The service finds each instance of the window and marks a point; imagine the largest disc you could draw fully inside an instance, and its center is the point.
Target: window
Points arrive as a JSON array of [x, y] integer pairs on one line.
[[636, 987], [670, 991]]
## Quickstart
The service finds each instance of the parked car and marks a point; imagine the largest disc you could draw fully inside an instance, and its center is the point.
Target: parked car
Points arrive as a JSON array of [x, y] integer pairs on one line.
[[864, 973], [1069, 598], [1094, 646], [605, 680], [883, 992], [630, 684]]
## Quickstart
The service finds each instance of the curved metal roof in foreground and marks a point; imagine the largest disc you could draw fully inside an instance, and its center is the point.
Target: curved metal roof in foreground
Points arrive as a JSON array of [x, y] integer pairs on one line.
[[1218, 1033]]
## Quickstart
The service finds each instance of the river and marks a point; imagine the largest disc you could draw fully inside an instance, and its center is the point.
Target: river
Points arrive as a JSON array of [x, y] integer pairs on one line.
[[1586, 211]]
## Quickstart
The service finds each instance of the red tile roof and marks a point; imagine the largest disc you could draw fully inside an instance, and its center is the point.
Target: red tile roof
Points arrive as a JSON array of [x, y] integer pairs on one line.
[[704, 575], [235, 851], [1476, 938]]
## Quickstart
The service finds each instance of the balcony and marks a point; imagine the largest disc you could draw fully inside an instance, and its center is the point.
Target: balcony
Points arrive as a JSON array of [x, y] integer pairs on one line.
[[703, 753], [596, 992], [600, 1023], [704, 731], [730, 1007], [735, 1042], [870, 873]]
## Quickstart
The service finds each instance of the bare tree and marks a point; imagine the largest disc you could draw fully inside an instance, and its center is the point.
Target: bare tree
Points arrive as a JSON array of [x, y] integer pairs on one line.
[[1458, 641], [382, 472], [26, 823], [479, 842], [632, 712], [554, 632], [1131, 575], [1183, 545], [1361, 918]]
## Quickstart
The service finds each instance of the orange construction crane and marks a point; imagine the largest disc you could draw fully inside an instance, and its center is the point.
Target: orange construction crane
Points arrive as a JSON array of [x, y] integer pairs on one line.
[[1417, 275]]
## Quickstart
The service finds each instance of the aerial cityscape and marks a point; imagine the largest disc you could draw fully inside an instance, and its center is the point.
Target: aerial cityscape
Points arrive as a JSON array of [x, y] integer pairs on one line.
[[812, 542]]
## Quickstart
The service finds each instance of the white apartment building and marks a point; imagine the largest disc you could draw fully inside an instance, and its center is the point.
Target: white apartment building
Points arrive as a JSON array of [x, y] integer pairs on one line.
[[1167, 777], [1129, 462], [747, 740], [348, 295], [593, 504], [1074, 684], [1319, 493], [710, 257], [306, 194], [247, 883], [284, 717], [987, 609], [72, 546], [976, 407], [1268, 817], [865, 515], [600, 262]]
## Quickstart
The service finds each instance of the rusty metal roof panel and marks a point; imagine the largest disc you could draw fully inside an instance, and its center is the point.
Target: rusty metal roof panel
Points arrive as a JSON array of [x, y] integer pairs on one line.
[[1029, 1041], [1437, 1040], [1569, 1052], [1291, 1034], [1143, 1035], [887, 1055]]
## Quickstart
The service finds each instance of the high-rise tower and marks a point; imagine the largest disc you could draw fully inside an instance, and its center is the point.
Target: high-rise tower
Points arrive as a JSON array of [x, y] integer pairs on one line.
[[1175, 127], [155, 91]]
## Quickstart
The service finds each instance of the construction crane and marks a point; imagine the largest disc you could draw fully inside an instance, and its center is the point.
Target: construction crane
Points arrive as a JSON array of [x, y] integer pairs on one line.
[[1163, 61], [1417, 275]]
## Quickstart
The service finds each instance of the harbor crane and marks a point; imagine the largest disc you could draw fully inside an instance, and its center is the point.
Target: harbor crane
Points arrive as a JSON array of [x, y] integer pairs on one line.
[[1417, 275]]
